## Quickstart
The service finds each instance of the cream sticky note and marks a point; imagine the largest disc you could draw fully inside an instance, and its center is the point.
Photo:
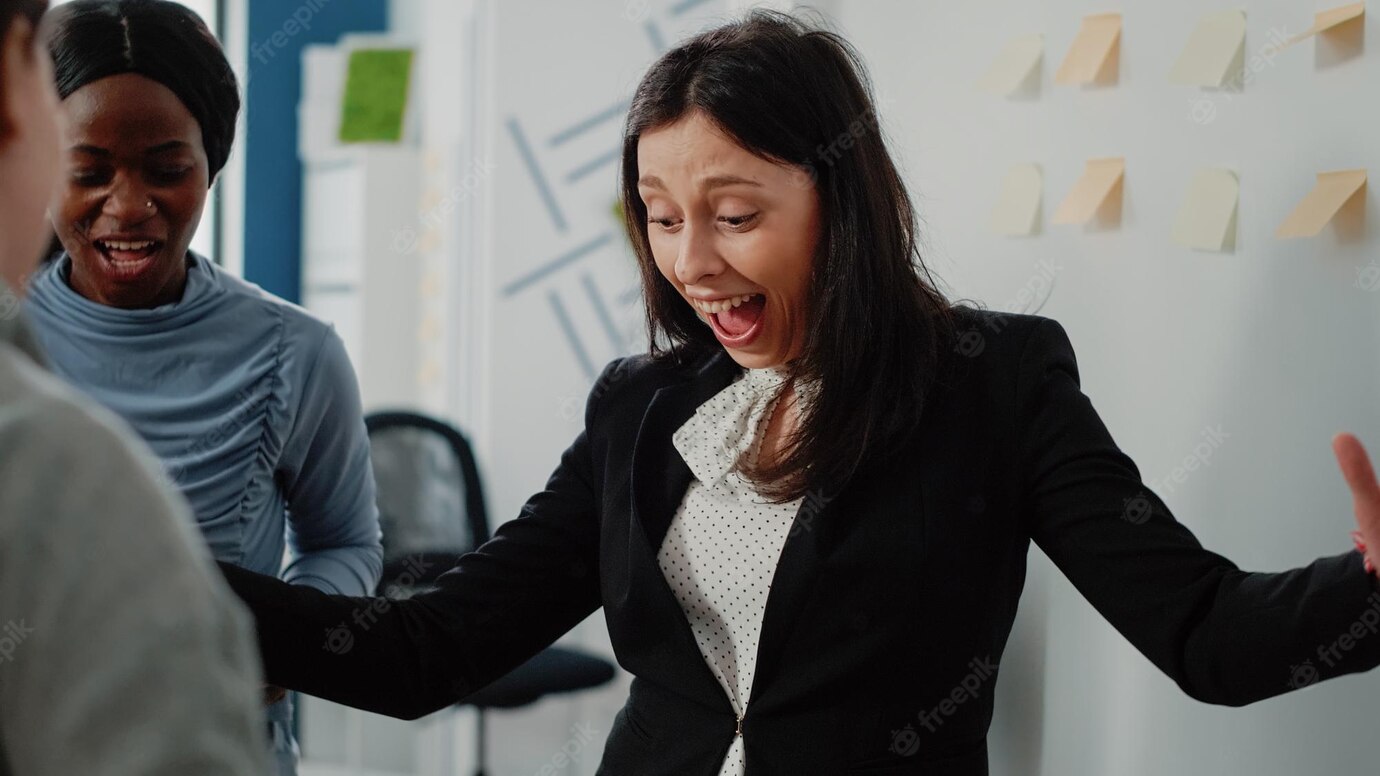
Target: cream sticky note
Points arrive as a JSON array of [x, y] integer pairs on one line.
[[1017, 213], [1100, 183], [1013, 65], [1094, 50], [1207, 217], [1323, 21], [1215, 53], [1331, 192]]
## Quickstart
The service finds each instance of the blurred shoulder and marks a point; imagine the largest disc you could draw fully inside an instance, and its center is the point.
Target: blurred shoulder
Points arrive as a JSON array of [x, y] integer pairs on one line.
[[66, 457]]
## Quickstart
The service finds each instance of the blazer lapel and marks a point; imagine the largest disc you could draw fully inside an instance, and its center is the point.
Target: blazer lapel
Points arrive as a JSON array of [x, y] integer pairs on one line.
[[806, 546], [659, 475]]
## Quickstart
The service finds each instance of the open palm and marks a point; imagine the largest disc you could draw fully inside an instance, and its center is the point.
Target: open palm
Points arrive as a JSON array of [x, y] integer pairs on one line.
[[1365, 495]]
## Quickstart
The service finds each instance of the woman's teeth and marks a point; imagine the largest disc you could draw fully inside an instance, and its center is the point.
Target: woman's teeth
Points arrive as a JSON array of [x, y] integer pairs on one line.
[[719, 305], [129, 247]]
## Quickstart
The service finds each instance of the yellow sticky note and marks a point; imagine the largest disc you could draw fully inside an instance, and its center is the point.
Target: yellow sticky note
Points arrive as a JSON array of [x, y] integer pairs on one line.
[[1323, 21], [1215, 53], [1017, 213], [1333, 189], [1100, 184], [1094, 51], [1207, 217], [1013, 65]]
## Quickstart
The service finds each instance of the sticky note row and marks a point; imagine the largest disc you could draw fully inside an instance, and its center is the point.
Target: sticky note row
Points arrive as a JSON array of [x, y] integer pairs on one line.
[[1214, 55], [1093, 58], [1206, 220]]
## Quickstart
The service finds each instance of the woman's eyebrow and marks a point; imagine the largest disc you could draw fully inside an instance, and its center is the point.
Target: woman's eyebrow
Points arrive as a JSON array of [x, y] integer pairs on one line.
[[712, 182], [171, 145], [717, 181]]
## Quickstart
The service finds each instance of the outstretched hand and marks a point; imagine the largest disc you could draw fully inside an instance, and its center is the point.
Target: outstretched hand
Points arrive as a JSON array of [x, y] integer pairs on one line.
[[1365, 495]]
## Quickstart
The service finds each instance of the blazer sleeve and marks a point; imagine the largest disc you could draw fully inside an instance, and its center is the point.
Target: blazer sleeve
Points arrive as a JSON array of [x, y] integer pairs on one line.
[[1224, 635], [533, 581]]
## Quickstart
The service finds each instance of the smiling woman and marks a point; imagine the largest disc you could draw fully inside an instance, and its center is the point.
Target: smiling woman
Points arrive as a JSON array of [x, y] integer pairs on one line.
[[756, 235], [206, 239], [137, 182], [145, 142]]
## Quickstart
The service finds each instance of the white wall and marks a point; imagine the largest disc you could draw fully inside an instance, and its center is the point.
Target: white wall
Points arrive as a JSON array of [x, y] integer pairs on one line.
[[1275, 344]]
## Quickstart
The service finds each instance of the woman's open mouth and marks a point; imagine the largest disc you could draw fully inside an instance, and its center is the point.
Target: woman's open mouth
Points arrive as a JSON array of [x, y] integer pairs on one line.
[[737, 320], [127, 259]]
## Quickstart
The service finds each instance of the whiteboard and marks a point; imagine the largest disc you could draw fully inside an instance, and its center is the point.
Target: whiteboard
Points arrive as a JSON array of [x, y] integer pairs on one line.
[[1273, 347]]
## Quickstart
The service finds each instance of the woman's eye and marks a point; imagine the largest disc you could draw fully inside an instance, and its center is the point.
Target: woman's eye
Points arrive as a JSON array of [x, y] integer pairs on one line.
[[170, 174], [737, 221], [90, 177], [664, 223]]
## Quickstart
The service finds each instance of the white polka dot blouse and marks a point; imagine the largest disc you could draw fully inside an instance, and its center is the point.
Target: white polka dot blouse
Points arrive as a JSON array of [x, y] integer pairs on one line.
[[721, 549]]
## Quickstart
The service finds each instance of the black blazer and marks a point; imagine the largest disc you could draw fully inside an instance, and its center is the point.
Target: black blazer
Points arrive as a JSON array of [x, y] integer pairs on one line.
[[892, 602]]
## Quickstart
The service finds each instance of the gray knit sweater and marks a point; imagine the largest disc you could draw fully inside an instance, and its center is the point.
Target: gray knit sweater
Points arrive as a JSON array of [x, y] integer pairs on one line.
[[122, 651]]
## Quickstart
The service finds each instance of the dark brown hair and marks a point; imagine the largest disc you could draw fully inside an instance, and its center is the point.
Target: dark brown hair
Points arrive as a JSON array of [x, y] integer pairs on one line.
[[795, 93]]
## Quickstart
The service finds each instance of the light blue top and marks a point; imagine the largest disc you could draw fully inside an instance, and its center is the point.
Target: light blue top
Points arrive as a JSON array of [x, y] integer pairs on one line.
[[252, 406]]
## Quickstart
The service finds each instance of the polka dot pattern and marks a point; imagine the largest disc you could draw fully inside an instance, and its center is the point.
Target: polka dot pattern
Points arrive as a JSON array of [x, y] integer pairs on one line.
[[721, 549]]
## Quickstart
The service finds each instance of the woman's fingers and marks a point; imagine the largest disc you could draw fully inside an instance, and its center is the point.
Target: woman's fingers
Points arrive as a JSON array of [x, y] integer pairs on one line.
[[1365, 494], [1360, 476]]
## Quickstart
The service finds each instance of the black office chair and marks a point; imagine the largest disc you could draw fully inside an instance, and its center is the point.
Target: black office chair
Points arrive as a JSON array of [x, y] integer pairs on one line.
[[431, 510]]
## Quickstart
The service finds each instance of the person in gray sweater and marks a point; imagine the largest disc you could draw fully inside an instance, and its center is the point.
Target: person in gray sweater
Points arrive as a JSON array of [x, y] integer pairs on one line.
[[122, 651]]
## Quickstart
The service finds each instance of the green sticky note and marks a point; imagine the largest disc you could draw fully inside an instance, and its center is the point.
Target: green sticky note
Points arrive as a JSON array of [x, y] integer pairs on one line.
[[375, 95]]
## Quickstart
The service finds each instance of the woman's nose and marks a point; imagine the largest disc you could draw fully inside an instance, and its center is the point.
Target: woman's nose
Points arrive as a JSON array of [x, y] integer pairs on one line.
[[127, 203], [697, 259]]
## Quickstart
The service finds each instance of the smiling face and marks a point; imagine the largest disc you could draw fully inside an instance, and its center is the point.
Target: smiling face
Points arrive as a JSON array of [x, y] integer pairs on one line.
[[136, 183], [735, 234]]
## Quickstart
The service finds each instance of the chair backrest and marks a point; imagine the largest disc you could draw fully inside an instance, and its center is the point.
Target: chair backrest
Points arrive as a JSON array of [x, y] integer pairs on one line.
[[430, 500]]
